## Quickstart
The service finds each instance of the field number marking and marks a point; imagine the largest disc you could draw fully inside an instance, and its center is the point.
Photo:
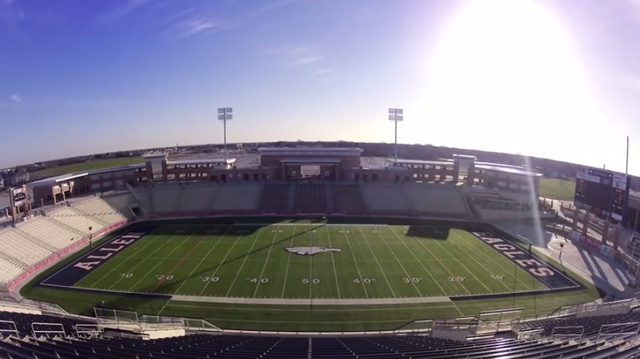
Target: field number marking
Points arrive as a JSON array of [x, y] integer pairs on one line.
[[363, 280], [497, 277], [126, 275], [412, 280], [213, 279], [343, 231], [457, 279], [314, 281], [276, 231], [164, 277], [375, 231], [256, 280]]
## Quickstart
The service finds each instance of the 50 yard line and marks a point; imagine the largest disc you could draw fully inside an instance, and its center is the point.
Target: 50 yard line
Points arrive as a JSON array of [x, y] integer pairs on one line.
[[286, 272], [335, 272]]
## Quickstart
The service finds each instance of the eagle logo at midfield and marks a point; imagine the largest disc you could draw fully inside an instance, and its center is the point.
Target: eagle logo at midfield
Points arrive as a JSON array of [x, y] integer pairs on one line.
[[309, 251]]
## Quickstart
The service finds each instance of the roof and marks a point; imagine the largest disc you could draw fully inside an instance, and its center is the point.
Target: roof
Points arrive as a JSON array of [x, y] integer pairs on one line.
[[465, 157], [154, 155], [419, 162], [509, 169], [201, 161], [310, 150], [69, 176], [56, 179], [310, 160], [117, 169]]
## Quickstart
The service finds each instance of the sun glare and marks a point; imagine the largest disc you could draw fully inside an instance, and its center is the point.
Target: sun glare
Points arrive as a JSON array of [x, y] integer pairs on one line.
[[507, 66]]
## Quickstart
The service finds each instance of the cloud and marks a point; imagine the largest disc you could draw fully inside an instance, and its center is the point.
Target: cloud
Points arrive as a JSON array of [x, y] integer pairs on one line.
[[297, 55], [305, 57], [195, 25], [306, 60], [274, 5], [323, 72], [122, 11], [15, 98]]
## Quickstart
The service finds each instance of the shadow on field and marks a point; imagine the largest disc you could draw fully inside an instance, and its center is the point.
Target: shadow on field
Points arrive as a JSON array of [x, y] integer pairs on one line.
[[429, 232], [241, 232]]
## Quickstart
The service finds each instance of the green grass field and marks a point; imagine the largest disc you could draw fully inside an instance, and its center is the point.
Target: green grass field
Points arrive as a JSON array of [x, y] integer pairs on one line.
[[87, 166], [560, 189], [251, 263], [372, 262]]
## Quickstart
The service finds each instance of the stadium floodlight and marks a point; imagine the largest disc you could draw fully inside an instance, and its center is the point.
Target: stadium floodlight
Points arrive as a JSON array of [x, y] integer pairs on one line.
[[396, 115], [225, 114]]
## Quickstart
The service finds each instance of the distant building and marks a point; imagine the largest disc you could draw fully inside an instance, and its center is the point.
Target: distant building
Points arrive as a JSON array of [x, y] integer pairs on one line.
[[12, 177]]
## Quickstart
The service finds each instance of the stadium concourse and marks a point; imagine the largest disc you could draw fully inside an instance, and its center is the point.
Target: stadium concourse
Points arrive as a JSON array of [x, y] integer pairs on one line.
[[45, 236]]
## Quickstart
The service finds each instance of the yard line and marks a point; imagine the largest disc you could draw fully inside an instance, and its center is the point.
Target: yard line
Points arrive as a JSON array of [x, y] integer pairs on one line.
[[157, 264], [275, 235], [397, 260], [463, 266], [356, 263], [199, 263], [485, 268], [244, 261], [223, 259], [419, 261], [125, 260], [286, 272], [177, 264], [335, 272], [508, 271], [376, 259], [440, 262]]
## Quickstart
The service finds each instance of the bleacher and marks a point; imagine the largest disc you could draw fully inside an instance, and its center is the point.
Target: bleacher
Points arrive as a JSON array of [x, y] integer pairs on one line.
[[79, 221], [310, 198], [385, 197], [237, 197], [101, 211], [249, 346], [274, 198], [347, 198]]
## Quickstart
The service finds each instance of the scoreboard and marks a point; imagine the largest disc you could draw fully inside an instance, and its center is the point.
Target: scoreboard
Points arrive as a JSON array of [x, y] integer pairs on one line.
[[603, 193]]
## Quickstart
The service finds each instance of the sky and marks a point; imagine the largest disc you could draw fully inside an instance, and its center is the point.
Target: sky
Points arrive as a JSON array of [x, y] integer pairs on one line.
[[547, 78]]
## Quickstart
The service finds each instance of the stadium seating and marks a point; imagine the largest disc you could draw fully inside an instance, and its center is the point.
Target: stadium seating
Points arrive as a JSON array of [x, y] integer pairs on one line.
[[100, 210], [78, 221], [385, 197], [237, 196], [347, 198], [275, 198], [310, 198], [441, 199], [228, 346]]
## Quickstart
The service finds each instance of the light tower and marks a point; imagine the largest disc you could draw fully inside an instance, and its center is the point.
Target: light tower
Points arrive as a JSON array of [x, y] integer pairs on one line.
[[395, 115], [225, 114]]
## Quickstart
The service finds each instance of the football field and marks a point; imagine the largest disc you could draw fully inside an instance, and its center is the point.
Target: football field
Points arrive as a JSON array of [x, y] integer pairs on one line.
[[306, 261]]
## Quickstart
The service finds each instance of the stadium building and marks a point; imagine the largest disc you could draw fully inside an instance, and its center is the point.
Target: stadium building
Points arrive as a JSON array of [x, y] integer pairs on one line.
[[332, 254]]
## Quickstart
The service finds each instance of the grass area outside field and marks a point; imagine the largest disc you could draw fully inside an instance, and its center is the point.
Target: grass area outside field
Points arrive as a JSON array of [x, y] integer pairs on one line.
[[249, 261], [560, 189], [87, 166]]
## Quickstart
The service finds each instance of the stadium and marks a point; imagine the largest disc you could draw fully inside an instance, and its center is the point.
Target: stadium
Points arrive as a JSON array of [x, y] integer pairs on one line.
[[313, 252], [502, 223]]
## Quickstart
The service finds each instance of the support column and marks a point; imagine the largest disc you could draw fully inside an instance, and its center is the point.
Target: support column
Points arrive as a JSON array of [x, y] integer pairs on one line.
[[616, 233], [576, 218], [605, 232], [585, 224]]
